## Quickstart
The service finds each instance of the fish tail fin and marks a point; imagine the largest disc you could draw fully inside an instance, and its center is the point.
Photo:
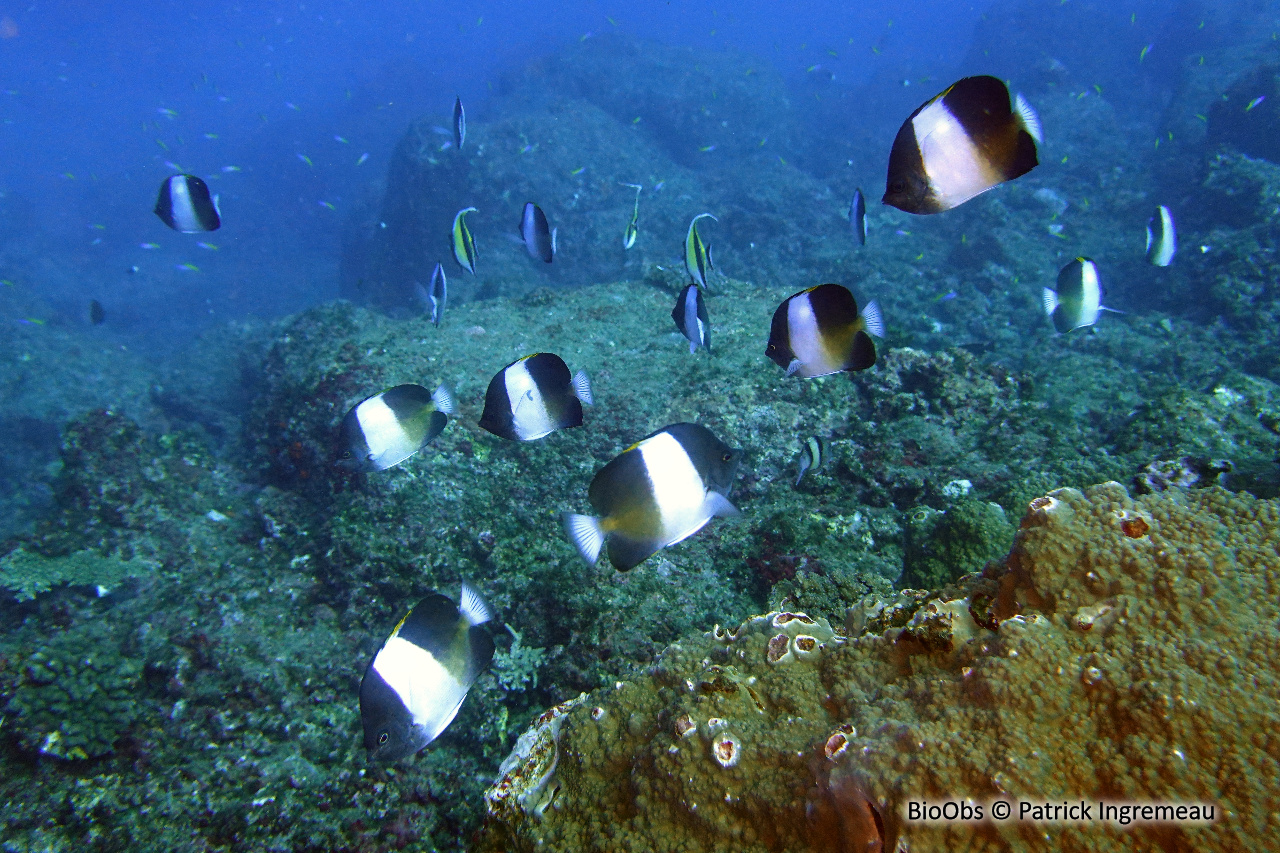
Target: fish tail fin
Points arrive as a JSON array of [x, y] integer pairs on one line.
[[474, 608], [1049, 298], [586, 534], [582, 388], [443, 398], [1028, 119], [872, 319]]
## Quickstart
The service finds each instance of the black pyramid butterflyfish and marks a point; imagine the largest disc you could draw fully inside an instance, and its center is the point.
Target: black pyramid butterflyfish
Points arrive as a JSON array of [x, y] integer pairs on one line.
[[385, 429], [960, 143], [184, 204], [659, 491], [819, 331], [534, 396], [416, 682]]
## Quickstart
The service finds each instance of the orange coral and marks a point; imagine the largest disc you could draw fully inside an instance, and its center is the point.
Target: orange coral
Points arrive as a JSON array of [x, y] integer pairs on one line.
[[1092, 663]]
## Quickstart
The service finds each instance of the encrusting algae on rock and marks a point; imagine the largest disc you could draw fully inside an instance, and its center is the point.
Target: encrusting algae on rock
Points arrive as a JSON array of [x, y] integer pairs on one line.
[[1123, 652]]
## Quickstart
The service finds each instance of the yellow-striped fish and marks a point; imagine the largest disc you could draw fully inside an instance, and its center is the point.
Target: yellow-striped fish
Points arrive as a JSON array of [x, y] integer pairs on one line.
[[464, 245], [633, 227], [697, 255]]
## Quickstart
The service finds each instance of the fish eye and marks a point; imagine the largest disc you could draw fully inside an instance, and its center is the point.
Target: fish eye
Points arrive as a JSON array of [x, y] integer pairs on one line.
[[383, 737], [346, 454], [727, 457], [898, 186]]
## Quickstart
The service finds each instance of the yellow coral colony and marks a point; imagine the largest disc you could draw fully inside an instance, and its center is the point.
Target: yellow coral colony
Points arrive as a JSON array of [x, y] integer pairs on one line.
[[1125, 650]]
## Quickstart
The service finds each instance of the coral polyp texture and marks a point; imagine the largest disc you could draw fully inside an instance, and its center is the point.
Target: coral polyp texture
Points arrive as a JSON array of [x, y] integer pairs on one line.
[[1123, 651]]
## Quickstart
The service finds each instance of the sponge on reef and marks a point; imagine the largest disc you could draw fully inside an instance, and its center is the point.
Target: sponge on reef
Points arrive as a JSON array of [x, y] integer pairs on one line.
[[1125, 650]]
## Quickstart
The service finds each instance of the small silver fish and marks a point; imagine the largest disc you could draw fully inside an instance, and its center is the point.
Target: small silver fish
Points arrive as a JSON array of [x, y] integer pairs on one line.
[[433, 300], [858, 217], [459, 123]]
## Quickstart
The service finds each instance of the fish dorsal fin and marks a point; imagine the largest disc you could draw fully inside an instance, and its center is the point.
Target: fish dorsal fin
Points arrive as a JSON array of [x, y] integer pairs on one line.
[[872, 319], [407, 401], [474, 608], [1028, 118], [431, 625], [480, 642]]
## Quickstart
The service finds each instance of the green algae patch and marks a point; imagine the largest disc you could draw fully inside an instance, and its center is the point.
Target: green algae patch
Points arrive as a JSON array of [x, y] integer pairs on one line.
[[27, 575]]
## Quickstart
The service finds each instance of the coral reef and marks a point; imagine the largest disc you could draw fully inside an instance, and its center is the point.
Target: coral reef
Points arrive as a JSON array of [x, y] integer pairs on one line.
[[191, 613], [76, 696], [943, 546], [1148, 645], [28, 574]]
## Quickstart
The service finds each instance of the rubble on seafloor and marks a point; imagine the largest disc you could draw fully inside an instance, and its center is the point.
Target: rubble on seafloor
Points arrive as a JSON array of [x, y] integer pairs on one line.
[[1122, 652]]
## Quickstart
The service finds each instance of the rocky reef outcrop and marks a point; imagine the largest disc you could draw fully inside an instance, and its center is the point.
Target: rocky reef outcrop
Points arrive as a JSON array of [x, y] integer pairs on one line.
[[1123, 651]]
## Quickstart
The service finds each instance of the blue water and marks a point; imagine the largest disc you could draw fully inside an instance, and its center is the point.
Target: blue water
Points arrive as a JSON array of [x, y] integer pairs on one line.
[[99, 104]]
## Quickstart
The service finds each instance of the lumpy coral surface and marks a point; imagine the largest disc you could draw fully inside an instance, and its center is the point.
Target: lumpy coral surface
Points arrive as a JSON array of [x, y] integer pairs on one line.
[[1122, 652]]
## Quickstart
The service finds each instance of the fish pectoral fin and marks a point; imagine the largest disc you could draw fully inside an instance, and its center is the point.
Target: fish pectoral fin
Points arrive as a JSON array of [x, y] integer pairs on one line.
[[526, 397], [586, 534]]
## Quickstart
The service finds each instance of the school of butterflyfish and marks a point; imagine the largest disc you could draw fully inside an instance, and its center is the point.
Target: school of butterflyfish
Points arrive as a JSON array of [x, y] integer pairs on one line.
[[668, 485]]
